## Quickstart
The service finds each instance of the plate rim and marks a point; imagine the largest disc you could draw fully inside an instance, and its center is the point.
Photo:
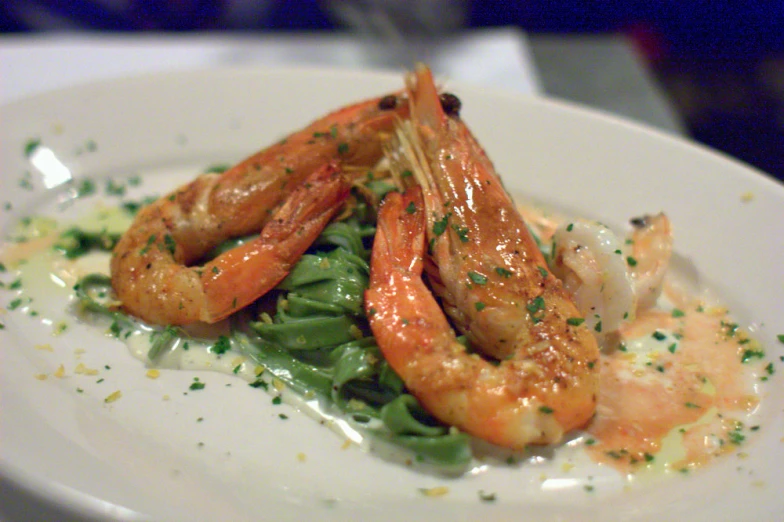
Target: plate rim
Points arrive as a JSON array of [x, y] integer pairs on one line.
[[23, 478]]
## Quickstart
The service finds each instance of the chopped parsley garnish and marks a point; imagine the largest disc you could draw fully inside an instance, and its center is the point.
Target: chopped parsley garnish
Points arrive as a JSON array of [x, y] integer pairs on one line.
[[196, 385], [503, 272], [575, 321], [546, 409], [277, 400], [751, 354], [598, 327], [114, 189], [462, 233], [736, 437], [631, 261], [671, 348], [150, 241], [729, 328], [569, 227], [477, 278], [659, 336], [30, 146], [343, 149], [222, 346], [479, 306], [411, 208], [677, 313], [542, 270], [439, 227], [692, 405], [85, 188], [169, 243], [115, 329], [780, 337], [259, 383], [536, 304]]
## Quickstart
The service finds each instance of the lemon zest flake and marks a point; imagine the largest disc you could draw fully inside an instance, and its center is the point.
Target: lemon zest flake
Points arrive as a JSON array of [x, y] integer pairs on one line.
[[112, 397], [438, 491], [81, 369]]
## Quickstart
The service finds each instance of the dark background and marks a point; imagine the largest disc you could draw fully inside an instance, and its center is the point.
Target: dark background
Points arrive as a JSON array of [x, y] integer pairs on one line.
[[721, 63]]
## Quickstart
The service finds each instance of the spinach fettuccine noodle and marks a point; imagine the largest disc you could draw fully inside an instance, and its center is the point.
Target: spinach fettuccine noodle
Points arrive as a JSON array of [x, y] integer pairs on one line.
[[318, 341]]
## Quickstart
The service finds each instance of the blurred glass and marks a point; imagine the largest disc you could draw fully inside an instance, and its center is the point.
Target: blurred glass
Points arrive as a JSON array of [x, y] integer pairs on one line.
[[398, 19]]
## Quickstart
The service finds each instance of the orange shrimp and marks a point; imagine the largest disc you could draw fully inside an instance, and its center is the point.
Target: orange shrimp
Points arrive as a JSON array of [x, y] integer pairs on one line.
[[150, 267], [494, 285]]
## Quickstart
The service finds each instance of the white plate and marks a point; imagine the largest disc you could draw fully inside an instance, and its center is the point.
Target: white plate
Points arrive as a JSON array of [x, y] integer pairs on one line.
[[140, 456]]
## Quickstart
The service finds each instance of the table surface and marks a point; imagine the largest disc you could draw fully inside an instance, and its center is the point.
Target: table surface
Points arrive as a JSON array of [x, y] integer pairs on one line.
[[606, 73]]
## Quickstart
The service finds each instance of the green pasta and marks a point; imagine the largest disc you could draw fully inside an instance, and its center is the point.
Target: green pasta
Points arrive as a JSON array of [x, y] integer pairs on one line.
[[316, 339], [320, 328]]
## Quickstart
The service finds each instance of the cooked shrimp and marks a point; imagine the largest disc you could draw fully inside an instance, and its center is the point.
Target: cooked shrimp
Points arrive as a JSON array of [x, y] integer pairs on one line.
[[533, 396], [158, 287], [588, 258], [493, 284], [651, 249], [150, 272]]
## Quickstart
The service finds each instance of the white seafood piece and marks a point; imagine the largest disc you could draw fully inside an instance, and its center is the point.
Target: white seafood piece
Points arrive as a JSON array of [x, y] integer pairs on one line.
[[588, 257]]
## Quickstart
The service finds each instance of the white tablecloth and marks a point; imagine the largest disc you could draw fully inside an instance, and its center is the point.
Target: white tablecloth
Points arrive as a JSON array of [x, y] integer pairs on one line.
[[29, 65]]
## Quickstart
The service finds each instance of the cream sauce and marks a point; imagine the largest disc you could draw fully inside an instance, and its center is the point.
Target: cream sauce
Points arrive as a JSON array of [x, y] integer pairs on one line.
[[674, 394]]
